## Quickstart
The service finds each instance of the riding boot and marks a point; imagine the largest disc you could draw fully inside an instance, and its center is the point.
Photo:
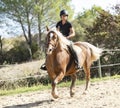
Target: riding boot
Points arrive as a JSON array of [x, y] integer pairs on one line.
[[43, 67], [75, 56]]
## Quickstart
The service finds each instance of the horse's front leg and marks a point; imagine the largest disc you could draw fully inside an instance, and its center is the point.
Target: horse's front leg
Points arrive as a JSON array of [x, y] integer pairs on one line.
[[54, 90], [72, 92], [54, 83]]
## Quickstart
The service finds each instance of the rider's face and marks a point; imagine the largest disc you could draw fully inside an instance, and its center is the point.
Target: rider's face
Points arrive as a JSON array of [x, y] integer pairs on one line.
[[64, 17]]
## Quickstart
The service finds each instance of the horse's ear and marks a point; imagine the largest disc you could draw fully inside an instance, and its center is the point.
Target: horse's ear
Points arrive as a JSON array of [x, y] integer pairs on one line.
[[47, 28]]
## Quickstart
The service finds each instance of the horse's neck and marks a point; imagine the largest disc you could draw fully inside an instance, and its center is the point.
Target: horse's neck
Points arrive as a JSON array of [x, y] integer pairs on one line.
[[62, 45], [58, 48]]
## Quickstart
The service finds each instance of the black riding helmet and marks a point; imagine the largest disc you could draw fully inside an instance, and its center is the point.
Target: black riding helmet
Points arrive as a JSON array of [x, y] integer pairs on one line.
[[63, 12]]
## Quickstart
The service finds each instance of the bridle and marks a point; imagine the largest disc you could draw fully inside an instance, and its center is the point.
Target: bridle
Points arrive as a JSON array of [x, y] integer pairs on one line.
[[54, 46]]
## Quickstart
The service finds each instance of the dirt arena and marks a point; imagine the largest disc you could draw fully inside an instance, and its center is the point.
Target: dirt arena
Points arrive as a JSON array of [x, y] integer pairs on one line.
[[104, 94]]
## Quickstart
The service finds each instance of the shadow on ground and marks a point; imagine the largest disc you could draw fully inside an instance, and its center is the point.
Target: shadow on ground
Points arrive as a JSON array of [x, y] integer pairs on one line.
[[30, 105]]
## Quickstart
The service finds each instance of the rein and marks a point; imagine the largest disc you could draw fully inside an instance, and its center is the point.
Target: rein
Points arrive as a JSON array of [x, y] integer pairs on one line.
[[54, 46]]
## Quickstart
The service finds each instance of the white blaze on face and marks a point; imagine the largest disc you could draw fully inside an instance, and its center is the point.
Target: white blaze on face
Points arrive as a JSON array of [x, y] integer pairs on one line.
[[51, 35]]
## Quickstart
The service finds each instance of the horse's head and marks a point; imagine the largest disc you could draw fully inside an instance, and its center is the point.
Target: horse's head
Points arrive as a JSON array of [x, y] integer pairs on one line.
[[52, 41]]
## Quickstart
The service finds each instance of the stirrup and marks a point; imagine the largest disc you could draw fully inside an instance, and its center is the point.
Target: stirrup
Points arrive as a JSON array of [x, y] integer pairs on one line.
[[77, 67], [43, 67]]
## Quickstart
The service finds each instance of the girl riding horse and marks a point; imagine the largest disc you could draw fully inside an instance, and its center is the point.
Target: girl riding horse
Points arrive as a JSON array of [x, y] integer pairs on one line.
[[65, 27], [60, 63]]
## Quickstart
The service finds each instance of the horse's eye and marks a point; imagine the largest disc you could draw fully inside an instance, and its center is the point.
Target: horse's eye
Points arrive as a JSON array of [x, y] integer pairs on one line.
[[54, 37]]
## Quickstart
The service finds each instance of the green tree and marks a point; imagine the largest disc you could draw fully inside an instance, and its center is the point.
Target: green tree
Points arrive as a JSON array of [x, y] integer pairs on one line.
[[106, 33], [85, 20], [25, 12], [21, 12], [47, 13]]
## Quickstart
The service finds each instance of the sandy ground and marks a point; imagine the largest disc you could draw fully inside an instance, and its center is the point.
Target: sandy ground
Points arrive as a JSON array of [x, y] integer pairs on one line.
[[104, 94]]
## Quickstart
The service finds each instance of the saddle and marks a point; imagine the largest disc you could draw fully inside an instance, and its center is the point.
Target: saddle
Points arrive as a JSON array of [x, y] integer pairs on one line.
[[74, 54]]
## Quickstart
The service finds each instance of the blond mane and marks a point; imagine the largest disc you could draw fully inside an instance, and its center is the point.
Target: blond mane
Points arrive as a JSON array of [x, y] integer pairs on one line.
[[62, 38]]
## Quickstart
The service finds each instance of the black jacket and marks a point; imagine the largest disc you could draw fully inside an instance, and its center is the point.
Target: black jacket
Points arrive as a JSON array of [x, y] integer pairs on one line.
[[64, 29]]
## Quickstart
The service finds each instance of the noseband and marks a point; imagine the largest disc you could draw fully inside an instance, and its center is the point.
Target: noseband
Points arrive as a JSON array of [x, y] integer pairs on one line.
[[54, 46]]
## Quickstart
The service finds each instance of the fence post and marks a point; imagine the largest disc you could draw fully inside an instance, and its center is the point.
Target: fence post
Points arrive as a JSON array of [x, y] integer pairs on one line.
[[99, 69]]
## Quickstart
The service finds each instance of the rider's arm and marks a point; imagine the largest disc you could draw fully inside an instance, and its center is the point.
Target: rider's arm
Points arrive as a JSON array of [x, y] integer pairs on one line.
[[72, 33]]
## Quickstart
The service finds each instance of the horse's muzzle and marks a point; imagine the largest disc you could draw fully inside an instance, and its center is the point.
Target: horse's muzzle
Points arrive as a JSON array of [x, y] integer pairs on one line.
[[49, 51]]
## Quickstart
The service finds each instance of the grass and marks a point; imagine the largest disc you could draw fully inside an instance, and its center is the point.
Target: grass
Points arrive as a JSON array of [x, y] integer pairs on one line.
[[42, 87], [24, 90]]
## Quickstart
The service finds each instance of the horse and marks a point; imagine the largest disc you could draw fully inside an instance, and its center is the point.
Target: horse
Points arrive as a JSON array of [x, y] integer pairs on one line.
[[60, 63]]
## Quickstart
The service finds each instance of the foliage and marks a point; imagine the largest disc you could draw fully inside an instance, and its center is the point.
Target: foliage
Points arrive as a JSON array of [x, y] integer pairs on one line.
[[26, 13], [105, 30], [84, 20], [17, 54], [38, 55], [26, 82], [102, 29], [18, 51], [105, 33]]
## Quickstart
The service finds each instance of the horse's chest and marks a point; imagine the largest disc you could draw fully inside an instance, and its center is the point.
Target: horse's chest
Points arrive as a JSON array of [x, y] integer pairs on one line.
[[56, 62]]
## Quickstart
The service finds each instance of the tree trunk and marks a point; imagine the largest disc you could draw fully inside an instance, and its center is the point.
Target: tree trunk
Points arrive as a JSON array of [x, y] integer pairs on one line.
[[30, 37], [0, 44], [39, 31], [28, 40], [30, 51]]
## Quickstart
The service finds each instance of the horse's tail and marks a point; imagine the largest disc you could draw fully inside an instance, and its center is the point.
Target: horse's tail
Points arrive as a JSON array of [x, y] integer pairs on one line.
[[95, 51]]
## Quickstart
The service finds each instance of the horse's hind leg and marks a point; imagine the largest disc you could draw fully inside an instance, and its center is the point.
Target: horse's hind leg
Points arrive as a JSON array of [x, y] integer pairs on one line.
[[87, 72], [74, 77]]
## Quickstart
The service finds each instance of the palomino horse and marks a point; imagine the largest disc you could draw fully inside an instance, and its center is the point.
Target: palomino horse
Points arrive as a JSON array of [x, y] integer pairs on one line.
[[60, 63]]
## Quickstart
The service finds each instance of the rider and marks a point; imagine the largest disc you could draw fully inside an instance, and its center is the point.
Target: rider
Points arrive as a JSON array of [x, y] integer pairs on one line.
[[65, 27]]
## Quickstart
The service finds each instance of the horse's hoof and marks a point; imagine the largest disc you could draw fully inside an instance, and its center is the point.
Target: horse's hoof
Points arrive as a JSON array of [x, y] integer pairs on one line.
[[85, 92], [55, 96], [72, 94]]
